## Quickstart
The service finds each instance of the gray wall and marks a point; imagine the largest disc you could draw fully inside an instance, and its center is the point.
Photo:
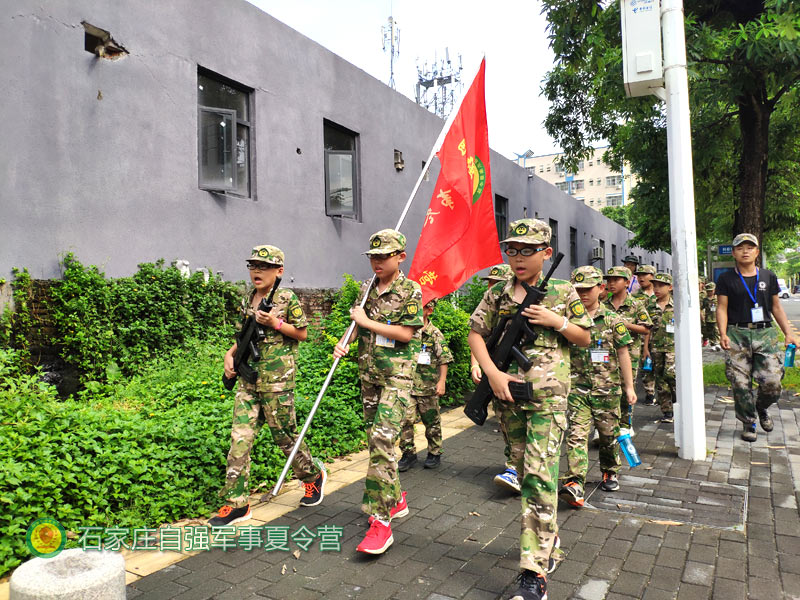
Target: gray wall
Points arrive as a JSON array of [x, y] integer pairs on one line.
[[100, 157]]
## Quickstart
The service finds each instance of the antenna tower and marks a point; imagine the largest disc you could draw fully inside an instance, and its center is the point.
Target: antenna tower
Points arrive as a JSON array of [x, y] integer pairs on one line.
[[439, 84], [391, 44]]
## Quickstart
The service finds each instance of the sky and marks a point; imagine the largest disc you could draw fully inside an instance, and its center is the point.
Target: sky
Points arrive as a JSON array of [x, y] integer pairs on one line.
[[511, 33]]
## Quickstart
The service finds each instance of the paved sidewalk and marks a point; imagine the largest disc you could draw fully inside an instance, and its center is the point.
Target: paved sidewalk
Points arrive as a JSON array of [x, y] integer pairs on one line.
[[676, 529]]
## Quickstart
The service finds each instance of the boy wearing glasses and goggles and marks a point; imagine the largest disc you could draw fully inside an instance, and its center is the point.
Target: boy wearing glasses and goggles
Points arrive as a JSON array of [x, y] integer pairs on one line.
[[389, 333], [271, 399], [560, 319]]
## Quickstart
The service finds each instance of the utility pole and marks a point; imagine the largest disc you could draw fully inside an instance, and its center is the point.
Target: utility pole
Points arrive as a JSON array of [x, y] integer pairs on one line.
[[391, 39]]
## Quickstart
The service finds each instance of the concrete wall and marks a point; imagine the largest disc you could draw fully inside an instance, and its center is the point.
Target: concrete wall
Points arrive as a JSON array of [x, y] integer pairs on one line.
[[100, 157]]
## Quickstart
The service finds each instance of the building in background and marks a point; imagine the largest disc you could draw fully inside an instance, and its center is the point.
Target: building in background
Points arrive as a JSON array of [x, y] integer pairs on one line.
[[595, 184]]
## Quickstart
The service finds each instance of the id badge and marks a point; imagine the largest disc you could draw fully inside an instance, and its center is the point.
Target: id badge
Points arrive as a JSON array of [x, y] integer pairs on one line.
[[671, 328], [757, 314], [424, 358], [599, 356], [383, 342]]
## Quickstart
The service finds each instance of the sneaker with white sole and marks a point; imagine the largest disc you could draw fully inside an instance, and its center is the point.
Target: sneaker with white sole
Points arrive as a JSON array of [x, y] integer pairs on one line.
[[378, 538], [398, 512], [228, 515], [508, 479], [315, 490], [532, 586], [572, 493]]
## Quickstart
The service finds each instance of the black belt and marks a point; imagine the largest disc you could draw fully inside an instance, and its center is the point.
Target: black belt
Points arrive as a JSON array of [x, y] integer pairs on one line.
[[759, 325]]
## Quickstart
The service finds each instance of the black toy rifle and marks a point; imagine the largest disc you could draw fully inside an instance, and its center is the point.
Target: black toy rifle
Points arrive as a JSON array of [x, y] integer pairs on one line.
[[504, 344], [247, 343]]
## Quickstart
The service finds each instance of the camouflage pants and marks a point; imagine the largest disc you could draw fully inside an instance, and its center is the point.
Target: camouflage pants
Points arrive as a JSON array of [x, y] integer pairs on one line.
[[250, 411], [625, 409], [510, 417], [384, 409], [541, 439], [755, 355], [664, 372], [583, 411], [427, 407], [710, 332]]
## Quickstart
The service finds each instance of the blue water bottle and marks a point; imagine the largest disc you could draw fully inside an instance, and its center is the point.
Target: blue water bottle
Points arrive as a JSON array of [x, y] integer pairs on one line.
[[629, 450], [648, 365], [788, 358]]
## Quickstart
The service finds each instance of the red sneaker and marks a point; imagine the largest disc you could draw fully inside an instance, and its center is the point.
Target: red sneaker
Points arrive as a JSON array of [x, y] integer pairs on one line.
[[378, 538], [400, 510]]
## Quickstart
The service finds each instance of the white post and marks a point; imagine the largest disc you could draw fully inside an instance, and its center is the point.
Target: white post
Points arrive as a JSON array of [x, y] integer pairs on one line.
[[688, 349]]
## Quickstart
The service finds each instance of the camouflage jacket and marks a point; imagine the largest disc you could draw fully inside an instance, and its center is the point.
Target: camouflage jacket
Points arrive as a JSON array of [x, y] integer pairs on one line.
[[648, 301], [633, 310], [426, 375], [276, 369], [389, 362], [662, 340], [710, 309], [590, 377], [550, 352]]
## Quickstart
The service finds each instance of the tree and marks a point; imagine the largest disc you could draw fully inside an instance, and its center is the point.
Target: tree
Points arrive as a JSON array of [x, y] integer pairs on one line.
[[744, 79], [618, 214]]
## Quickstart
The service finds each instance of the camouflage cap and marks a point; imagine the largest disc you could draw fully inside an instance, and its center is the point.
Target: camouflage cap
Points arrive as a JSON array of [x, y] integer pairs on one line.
[[663, 278], [499, 272], [386, 241], [528, 231], [268, 254], [586, 277], [432, 303], [711, 286], [631, 259], [623, 272], [647, 269], [745, 237]]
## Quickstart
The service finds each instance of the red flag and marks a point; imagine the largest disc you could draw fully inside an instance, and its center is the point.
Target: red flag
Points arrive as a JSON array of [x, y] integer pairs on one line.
[[459, 236]]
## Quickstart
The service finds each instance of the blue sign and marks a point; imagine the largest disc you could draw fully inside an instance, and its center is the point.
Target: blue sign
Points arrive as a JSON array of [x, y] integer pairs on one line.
[[724, 250]]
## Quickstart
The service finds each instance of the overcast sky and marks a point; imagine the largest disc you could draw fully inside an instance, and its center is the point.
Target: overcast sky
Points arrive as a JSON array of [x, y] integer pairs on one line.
[[510, 32]]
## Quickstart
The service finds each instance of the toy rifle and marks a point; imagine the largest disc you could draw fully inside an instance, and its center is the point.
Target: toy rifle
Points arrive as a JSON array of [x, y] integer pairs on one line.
[[504, 345], [247, 343]]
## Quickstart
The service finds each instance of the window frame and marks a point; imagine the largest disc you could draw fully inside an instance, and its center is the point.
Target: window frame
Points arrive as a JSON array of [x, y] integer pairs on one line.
[[501, 232], [201, 181], [553, 235], [355, 213]]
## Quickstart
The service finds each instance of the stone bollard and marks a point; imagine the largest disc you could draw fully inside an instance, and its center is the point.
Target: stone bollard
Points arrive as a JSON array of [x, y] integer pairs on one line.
[[71, 575]]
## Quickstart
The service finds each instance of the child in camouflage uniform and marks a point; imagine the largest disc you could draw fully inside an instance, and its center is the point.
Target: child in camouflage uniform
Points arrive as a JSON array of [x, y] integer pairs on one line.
[[594, 395], [661, 344], [637, 320], [271, 399], [389, 332], [710, 333], [747, 302], [429, 385], [558, 320], [645, 274]]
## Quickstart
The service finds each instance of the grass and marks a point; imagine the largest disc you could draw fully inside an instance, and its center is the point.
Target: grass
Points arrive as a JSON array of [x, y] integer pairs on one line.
[[714, 374]]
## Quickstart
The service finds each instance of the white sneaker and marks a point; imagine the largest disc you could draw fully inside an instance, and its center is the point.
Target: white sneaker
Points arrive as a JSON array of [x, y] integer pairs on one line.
[[595, 435]]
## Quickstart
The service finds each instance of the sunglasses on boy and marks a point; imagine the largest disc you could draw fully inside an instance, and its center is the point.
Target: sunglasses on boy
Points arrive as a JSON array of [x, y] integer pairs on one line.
[[527, 251], [384, 256], [260, 266]]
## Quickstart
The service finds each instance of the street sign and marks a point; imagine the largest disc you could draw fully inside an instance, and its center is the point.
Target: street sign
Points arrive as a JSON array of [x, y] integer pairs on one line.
[[725, 250]]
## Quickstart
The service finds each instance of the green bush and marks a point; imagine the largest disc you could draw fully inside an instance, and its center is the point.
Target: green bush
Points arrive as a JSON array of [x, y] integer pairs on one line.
[[471, 295]]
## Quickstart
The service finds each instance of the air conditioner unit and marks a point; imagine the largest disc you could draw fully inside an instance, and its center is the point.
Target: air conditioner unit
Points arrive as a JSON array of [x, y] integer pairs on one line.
[[597, 253]]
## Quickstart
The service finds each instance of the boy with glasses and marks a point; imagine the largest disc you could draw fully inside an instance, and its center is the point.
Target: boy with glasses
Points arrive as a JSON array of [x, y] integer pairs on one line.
[[270, 399], [389, 333], [557, 321]]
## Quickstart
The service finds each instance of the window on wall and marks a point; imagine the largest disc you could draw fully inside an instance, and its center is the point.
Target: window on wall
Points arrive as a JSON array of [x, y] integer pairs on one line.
[[577, 185], [501, 215], [562, 185], [603, 252], [573, 248], [613, 254], [614, 199], [341, 171], [224, 134], [554, 236], [614, 180]]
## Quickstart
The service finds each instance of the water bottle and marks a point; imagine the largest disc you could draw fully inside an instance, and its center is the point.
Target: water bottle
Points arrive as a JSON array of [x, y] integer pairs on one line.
[[648, 365], [788, 358], [629, 450]]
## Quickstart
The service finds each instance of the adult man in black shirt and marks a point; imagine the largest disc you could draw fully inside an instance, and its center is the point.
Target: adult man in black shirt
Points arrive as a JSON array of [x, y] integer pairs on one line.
[[747, 303]]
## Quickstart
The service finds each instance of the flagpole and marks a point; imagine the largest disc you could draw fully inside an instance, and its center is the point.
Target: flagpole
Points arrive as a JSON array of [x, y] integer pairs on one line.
[[301, 436]]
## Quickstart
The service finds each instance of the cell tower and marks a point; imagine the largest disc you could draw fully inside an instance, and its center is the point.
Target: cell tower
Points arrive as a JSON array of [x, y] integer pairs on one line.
[[439, 84], [391, 40]]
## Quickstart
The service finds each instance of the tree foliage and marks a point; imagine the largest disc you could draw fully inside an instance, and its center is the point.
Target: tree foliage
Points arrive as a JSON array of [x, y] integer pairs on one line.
[[744, 68]]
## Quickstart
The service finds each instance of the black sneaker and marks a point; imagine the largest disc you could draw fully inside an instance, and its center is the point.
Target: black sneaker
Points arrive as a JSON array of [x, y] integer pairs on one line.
[[649, 399], [315, 490], [532, 586], [610, 482], [572, 493], [749, 432], [407, 461], [228, 516], [432, 461], [667, 417], [765, 420]]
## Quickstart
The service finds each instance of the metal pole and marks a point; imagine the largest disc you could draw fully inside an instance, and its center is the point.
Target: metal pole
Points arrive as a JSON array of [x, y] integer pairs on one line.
[[439, 141], [688, 349]]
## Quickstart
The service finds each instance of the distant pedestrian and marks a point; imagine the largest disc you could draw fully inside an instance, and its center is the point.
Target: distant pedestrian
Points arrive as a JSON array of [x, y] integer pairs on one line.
[[631, 262], [661, 345]]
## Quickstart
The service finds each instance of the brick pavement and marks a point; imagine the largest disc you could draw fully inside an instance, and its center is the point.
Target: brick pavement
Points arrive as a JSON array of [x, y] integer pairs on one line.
[[461, 537]]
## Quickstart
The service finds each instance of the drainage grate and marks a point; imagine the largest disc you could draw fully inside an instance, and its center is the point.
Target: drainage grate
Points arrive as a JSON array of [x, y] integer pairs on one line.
[[720, 505]]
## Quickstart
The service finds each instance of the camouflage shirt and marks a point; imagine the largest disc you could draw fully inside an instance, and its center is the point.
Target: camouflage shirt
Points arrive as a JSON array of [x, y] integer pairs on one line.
[[633, 310], [434, 352], [648, 301], [710, 309], [276, 369], [662, 340], [599, 375], [550, 352], [390, 362]]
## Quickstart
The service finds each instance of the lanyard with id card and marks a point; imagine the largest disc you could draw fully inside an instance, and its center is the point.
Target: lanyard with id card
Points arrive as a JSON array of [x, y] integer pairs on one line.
[[757, 312], [599, 355], [424, 357], [384, 342]]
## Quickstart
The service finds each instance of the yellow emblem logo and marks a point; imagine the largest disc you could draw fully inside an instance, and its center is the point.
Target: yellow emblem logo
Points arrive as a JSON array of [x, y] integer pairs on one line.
[[620, 328], [643, 316], [521, 229], [412, 308], [297, 312], [577, 308], [375, 242], [263, 253], [45, 537], [579, 277]]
